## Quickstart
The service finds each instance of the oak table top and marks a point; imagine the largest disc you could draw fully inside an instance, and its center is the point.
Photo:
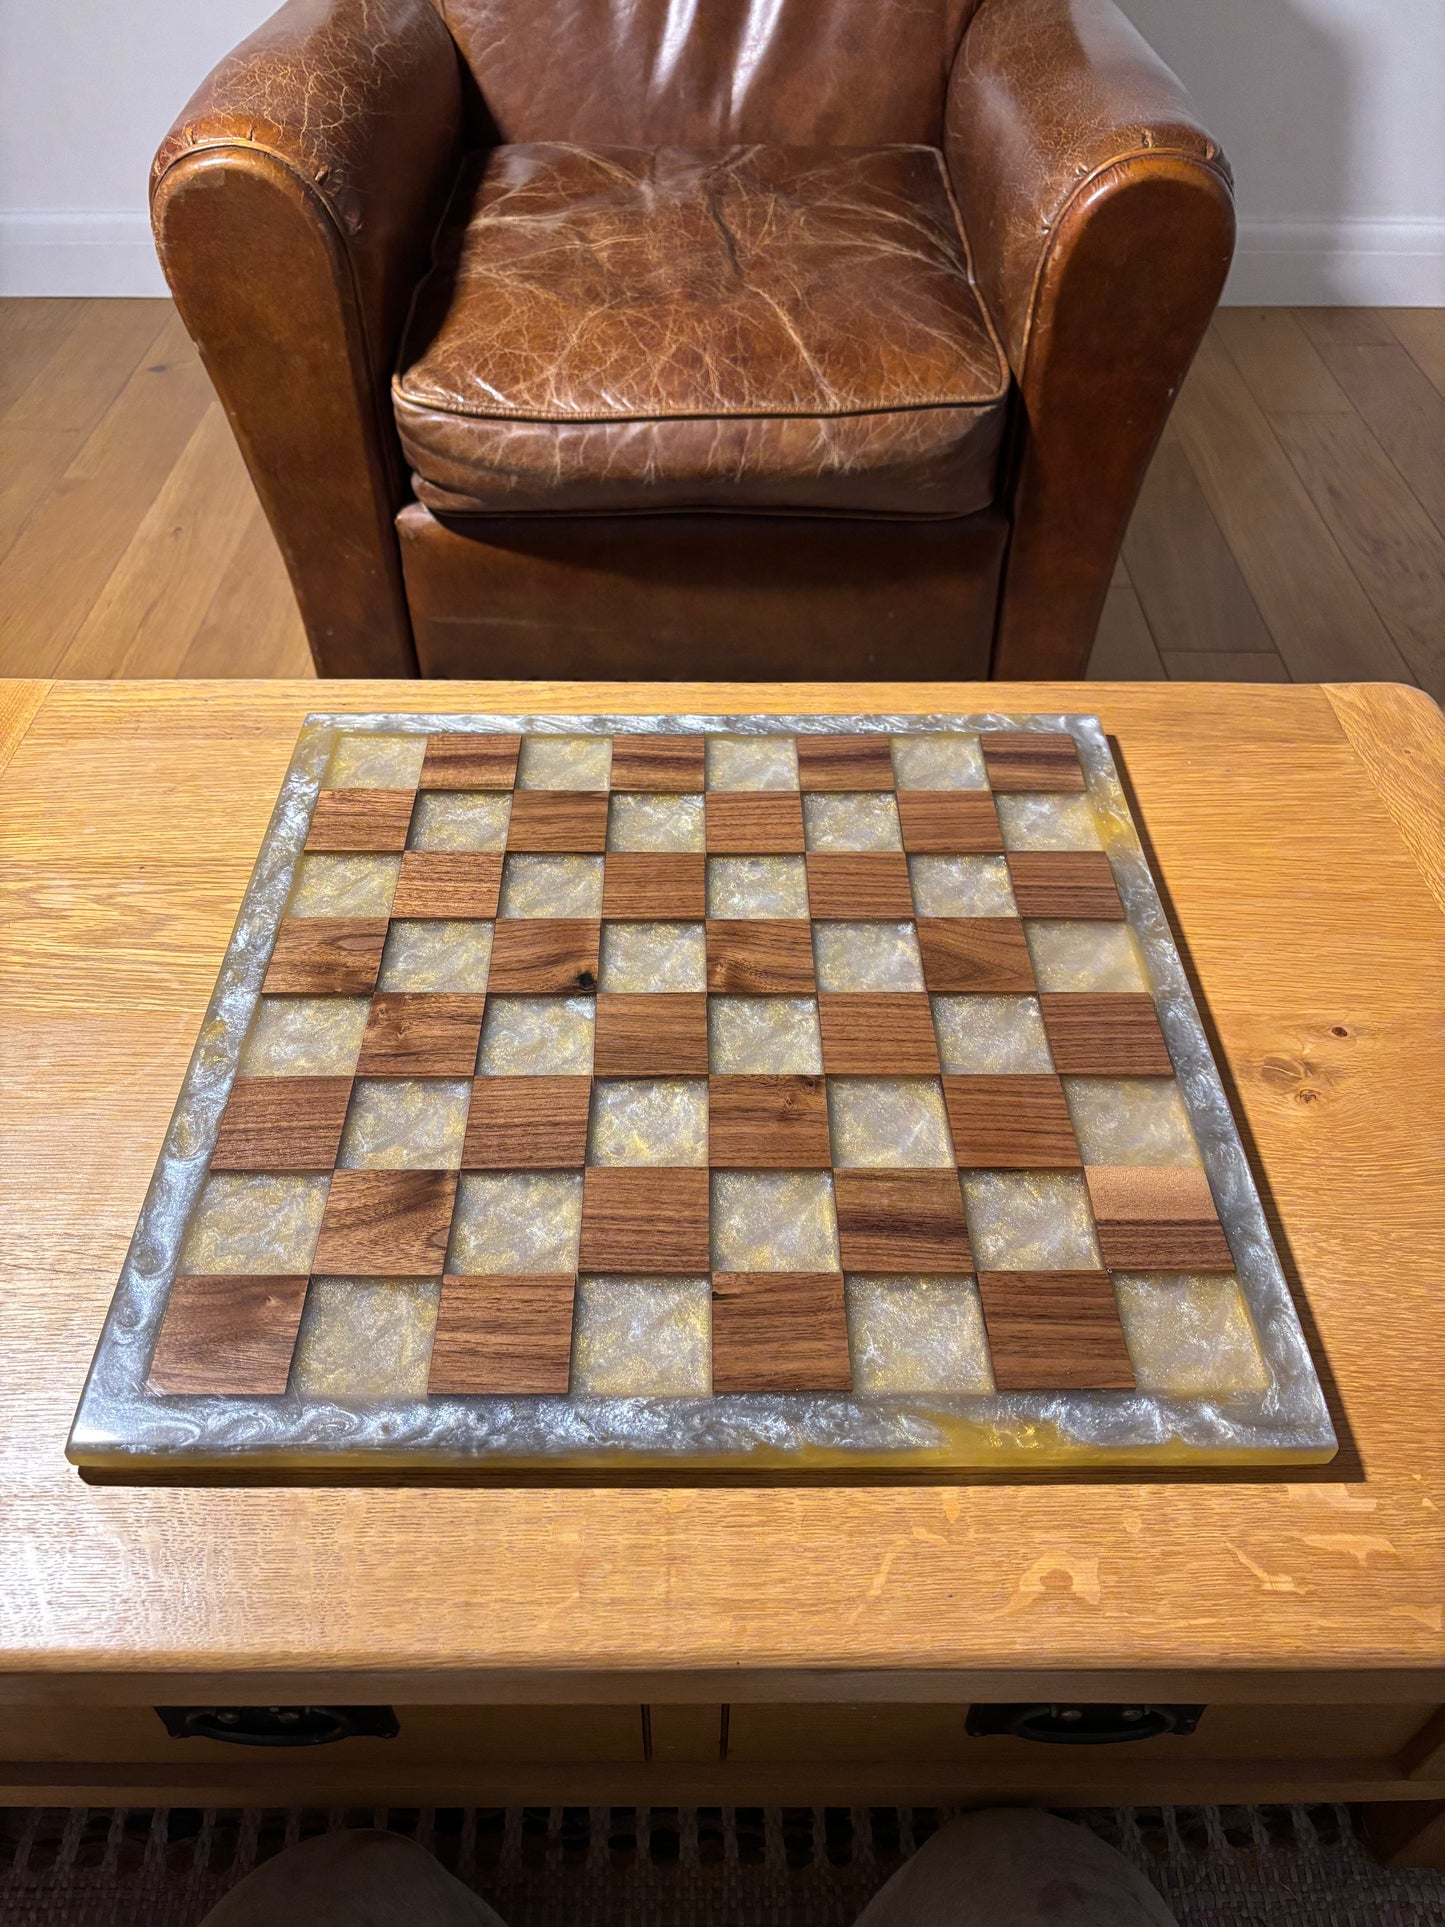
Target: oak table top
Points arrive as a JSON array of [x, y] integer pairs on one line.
[[1299, 834]]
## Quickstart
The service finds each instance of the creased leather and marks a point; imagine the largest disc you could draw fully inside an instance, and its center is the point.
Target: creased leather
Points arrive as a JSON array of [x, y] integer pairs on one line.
[[711, 73], [1045, 95], [361, 99], [753, 327]]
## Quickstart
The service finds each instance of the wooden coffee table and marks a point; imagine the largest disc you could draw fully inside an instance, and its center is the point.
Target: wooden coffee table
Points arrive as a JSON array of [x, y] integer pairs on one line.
[[764, 1643]]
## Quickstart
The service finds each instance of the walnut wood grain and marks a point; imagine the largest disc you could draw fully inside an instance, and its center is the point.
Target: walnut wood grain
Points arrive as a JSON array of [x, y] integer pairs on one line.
[[1054, 1331], [361, 820], [326, 957], [421, 1034], [1076, 884], [867, 884], [981, 954], [544, 956], [651, 1034], [949, 823], [227, 1335], [458, 760], [778, 1123], [654, 885], [561, 821], [1015, 1589], [844, 763], [386, 1224], [658, 764], [509, 1336], [883, 1033], [1152, 1218], [760, 957], [1023, 760], [901, 1222], [779, 1331], [754, 823], [527, 1124], [1105, 1034], [1011, 1123], [644, 1220], [282, 1124], [448, 883]]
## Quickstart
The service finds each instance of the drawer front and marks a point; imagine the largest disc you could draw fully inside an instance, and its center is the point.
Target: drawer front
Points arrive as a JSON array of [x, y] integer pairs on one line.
[[429, 1735], [933, 1735]]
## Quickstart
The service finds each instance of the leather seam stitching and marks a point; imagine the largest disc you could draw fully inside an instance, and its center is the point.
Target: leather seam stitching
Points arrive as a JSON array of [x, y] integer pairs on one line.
[[421, 406]]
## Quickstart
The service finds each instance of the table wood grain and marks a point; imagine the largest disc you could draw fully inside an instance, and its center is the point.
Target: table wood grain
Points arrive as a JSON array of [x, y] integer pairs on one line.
[[1297, 834]]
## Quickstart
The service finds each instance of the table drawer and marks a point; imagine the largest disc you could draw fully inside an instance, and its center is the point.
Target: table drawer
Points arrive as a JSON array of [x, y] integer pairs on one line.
[[918, 1735], [428, 1735]]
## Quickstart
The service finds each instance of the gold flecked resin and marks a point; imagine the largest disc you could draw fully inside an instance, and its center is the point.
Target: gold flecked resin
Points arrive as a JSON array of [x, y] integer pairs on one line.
[[757, 886], [251, 1226], [1046, 822], [941, 762], [405, 1124], [516, 1222], [1084, 956], [343, 886], [961, 886], [1130, 1120], [642, 1338], [773, 1221], [551, 886], [642, 1120], [752, 763], [1030, 1221], [867, 956], [638, 822], [367, 762], [565, 763], [537, 1037], [653, 956], [764, 1036], [441, 955], [304, 1037], [917, 1335], [888, 1123], [366, 1338], [990, 1036], [863, 822], [460, 820], [1189, 1336]]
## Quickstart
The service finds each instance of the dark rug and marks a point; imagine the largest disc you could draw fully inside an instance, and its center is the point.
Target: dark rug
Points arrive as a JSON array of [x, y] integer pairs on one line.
[[690, 1866]]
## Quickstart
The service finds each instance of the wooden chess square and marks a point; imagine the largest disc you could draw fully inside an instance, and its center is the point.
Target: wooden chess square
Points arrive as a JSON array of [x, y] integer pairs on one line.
[[1018, 1123], [1064, 883], [228, 1336], [901, 1222], [886, 1033], [421, 1034], [754, 823], [456, 760], [651, 1034], [448, 883], [645, 1219], [1018, 760], [845, 763], [768, 1123], [986, 955], [1153, 1218], [862, 886], [756, 957], [779, 1331], [527, 1124], [386, 1224], [282, 1124], [949, 823], [544, 956], [1054, 1331], [654, 886], [326, 957], [1105, 1034], [658, 765], [504, 1336], [356, 821], [561, 822]]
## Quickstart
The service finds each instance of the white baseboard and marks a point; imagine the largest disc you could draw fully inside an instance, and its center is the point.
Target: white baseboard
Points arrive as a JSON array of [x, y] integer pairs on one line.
[[1346, 263]]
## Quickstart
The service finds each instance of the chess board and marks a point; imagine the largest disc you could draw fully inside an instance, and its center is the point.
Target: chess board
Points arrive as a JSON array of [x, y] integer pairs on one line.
[[743, 1095]]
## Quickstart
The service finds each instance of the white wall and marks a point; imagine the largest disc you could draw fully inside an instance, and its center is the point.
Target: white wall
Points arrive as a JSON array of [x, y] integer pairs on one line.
[[1333, 112]]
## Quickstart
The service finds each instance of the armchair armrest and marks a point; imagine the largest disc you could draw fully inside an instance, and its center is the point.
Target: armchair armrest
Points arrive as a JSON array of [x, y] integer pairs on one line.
[[294, 203], [1101, 219]]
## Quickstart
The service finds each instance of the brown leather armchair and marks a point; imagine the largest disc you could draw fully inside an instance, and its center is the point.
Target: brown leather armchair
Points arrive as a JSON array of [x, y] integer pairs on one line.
[[638, 338]]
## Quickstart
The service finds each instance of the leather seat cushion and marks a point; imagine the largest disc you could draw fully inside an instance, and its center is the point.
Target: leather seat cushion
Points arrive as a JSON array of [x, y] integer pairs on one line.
[[748, 328]]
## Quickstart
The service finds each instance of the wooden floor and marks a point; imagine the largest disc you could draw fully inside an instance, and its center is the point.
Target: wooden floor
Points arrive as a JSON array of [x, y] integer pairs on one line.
[[1292, 527]]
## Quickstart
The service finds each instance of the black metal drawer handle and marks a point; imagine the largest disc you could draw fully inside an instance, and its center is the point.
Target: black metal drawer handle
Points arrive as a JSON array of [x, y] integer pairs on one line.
[[279, 1725], [1080, 1725]]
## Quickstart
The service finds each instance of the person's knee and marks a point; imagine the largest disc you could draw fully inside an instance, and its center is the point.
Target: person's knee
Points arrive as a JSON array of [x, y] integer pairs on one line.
[[359, 1877]]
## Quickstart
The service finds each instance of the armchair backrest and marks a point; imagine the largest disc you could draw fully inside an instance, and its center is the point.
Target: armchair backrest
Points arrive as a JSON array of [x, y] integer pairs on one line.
[[708, 73]]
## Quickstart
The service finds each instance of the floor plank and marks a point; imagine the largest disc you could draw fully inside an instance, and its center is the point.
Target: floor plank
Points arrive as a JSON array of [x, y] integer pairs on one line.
[[65, 556], [1323, 624], [1281, 366], [1124, 650], [143, 621], [31, 332], [1392, 545], [1421, 332], [252, 626], [1185, 573], [1249, 665], [1344, 327], [1404, 409]]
